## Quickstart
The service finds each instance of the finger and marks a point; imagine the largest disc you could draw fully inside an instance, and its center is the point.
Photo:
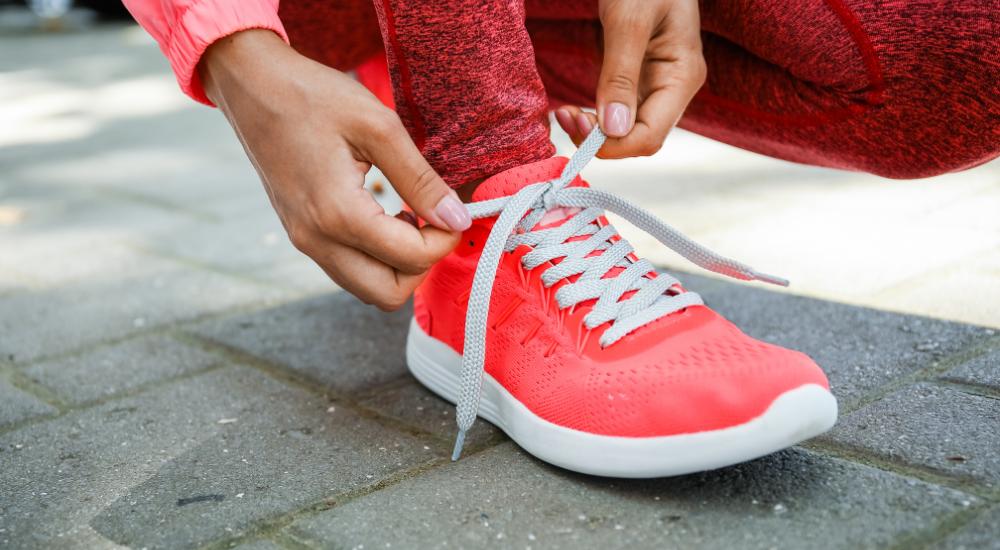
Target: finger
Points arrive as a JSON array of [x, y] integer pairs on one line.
[[372, 281], [660, 111], [400, 244], [353, 218], [565, 119], [576, 127], [585, 123], [626, 36], [391, 149], [673, 73]]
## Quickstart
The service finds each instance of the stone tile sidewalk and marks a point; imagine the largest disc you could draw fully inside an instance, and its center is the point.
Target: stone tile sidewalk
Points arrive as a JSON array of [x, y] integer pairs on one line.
[[296, 424], [174, 375]]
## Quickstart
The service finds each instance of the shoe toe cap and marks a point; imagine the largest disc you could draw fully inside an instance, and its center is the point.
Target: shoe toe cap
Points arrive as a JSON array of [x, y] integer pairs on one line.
[[715, 384], [724, 395]]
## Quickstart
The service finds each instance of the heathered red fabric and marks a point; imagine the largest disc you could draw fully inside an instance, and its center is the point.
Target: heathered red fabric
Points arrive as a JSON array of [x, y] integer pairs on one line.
[[898, 88]]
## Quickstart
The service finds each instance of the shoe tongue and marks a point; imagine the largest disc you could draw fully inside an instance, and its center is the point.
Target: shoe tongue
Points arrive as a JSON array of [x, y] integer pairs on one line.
[[511, 181]]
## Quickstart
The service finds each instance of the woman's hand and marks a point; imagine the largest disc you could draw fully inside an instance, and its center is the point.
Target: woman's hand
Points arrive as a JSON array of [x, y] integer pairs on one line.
[[312, 133], [653, 66]]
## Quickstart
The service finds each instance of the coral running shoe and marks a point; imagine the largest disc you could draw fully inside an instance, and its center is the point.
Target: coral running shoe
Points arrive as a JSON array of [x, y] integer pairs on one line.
[[545, 323]]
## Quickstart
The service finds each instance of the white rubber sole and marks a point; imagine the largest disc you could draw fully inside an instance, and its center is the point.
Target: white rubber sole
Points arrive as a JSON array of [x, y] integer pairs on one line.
[[795, 416]]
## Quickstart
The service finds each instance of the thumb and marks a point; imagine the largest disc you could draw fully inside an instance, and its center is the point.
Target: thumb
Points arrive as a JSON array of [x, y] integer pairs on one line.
[[417, 183], [626, 37]]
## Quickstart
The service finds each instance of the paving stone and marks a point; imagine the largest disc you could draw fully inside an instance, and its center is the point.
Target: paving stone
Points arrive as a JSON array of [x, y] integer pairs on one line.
[[187, 177], [860, 349], [501, 498], [333, 339], [80, 256], [11, 283], [972, 287], [415, 405], [245, 243], [940, 429], [206, 458], [982, 533], [258, 545], [51, 204], [110, 370], [46, 322], [981, 371], [17, 405], [300, 275]]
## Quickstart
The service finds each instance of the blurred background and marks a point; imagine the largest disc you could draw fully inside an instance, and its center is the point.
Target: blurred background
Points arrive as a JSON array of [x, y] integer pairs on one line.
[[109, 175]]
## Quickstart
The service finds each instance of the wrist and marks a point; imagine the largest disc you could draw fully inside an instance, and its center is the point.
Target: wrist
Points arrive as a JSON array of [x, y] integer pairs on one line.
[[233, 60]]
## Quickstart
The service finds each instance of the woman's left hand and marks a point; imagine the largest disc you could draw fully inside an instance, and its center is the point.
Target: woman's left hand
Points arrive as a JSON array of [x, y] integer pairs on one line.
[[653, 66]]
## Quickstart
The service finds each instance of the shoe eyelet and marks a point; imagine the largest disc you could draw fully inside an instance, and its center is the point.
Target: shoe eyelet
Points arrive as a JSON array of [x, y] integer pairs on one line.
[[472, 243]]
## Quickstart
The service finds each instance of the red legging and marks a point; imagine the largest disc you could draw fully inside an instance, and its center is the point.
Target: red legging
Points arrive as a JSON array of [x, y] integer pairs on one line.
[[899, 88]]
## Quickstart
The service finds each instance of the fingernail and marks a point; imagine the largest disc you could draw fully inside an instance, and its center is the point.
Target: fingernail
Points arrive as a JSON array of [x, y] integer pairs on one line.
[[453, 213], [617, 119], [584, 124], [565, 120]]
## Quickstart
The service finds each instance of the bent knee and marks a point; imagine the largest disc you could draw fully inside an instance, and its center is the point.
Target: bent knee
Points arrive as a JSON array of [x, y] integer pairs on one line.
[[917, 134], [912, 168], [941, 103]]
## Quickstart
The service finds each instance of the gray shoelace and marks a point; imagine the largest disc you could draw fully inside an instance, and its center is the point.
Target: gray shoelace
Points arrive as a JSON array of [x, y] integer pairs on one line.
[[654, 297]]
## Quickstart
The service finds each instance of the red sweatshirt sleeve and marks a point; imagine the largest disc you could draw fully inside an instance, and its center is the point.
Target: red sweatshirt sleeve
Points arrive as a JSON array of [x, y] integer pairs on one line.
[[185, 28]]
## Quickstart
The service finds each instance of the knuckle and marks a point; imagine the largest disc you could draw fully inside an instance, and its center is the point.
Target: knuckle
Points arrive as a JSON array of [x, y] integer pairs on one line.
[[384, 124], [328, 224], [699, 70], [330, 221], [301, 238], [650, 147], [621, 82], [420, 264], [611, 151], [620, 17], [423, 183], [391, 301]]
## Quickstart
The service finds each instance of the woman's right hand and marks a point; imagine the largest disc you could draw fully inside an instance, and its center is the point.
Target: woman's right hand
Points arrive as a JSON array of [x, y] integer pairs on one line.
[[312, 133]]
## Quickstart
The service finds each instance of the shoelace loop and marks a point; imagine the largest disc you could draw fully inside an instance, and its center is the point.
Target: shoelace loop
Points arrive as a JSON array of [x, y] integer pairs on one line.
[[521, 212]]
